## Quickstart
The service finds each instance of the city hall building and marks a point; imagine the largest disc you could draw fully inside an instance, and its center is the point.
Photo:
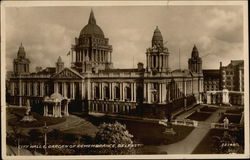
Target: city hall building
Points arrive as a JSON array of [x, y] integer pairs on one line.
[[91, 84]]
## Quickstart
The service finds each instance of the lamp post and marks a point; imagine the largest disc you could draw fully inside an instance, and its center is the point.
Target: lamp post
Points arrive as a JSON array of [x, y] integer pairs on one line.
[[17, 132], [45, 130]]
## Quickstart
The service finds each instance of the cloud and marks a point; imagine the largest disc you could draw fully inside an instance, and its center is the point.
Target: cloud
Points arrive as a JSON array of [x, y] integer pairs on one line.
[[48, 32], [226, 25], [43, 45]]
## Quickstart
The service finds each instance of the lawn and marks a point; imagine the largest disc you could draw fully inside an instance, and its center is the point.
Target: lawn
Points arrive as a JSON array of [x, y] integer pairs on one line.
[[17, 114], [206, 145], [199, 116], [147, 133], [208, 109], [235, 111], [152, 133], [231, 118]]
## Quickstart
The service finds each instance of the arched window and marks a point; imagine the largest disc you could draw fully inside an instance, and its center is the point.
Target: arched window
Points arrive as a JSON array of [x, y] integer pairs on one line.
[[25, 89], [106, 92], [68, 89], [32, 89], [154, 61], [117, 92], [97, 92], [38, 89], [128, 93], [60, 87]]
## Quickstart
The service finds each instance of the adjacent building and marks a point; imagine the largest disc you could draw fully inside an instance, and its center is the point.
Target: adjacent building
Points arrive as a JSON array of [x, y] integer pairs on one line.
[[212, 79], [92, 84], [227, 80]]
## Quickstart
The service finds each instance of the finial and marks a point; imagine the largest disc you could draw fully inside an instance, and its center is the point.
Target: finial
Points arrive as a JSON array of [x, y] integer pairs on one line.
[[59, 59], [21, 44], [92, 17]]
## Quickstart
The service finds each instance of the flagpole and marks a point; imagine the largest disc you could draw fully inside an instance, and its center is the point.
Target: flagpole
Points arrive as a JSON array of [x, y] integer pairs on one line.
[[179, 59], [71, 56], [133, 62]]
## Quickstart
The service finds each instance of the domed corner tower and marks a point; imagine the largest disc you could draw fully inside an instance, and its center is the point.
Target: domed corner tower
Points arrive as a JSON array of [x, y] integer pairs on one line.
[[195, 62], [157, 54], [92, 49], [21, 63]]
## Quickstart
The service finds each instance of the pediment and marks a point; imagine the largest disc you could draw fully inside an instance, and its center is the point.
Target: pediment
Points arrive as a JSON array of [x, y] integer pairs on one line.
[[67, 73]]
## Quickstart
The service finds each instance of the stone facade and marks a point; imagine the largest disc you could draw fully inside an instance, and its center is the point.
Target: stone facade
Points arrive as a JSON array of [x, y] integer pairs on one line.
[[212, 79], [227, 81], [93, 85]]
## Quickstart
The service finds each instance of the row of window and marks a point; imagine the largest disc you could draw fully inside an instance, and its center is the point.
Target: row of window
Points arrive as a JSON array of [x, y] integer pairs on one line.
[[116, 108], [102, 56], [94, 40], [107, 93], [35, 90]]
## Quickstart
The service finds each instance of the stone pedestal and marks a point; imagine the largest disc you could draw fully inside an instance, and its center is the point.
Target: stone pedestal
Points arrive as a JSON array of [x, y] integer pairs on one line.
[[225, 96], [208, 98]]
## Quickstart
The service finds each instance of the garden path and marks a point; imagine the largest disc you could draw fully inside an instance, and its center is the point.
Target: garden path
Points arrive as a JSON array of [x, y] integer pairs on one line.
[[187, 145]]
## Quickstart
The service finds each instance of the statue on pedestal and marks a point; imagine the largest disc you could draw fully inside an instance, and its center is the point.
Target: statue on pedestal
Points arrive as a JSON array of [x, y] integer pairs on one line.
[[28, 117]]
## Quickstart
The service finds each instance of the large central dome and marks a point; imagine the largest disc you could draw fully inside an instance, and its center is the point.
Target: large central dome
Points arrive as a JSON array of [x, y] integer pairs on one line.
[[91, 29]]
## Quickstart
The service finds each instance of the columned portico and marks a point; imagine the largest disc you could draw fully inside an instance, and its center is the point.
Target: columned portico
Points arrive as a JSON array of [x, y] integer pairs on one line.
[[57, 103]]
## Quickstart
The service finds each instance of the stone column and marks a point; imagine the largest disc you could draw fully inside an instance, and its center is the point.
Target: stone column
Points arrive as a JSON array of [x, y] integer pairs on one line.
[[35, 88], [28, 88], [149, 92], [110, 56], [135, 92], [101, 90], [12, 92], [240, 80], [65, 109], [192, 89], [73, 90], [144, 92], [53, 109], [160, 93], [242, 99], [64, 89], [44, 110], [56, 87], [92, 90], [83, 90], [110, 91], [132, 91], [149, 62], [157, 60], [120, 86], [123, 94], [41, 88], [164, 92], [113, 90]]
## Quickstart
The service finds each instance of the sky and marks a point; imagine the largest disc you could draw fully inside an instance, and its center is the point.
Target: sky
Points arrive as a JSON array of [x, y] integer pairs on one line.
[[48, 32]]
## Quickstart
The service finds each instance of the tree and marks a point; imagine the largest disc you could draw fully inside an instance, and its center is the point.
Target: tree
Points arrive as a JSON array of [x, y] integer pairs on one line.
[[116, 136], [17, 133], [55, 136], [35, 136]]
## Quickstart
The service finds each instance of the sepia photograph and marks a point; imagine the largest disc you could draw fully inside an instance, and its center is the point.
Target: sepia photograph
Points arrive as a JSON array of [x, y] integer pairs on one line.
[[124, 79]]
